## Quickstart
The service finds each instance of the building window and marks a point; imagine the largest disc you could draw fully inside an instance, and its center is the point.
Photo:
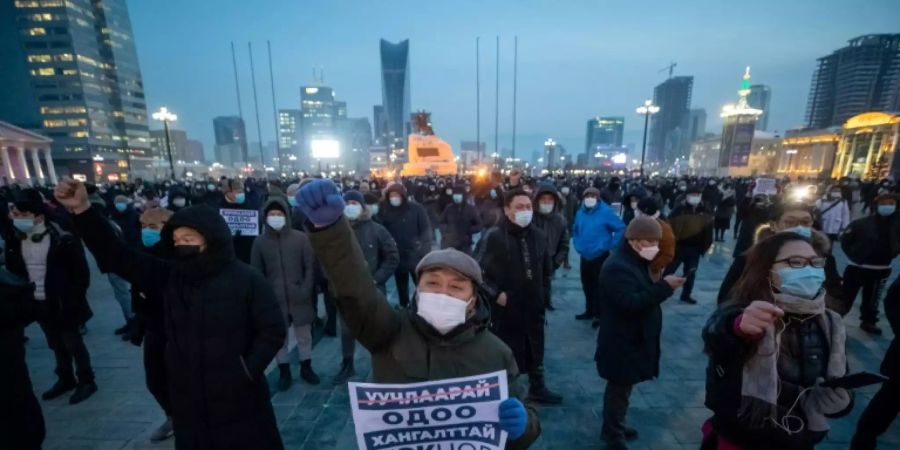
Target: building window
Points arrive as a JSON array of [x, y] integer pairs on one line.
[[36, 31], [79, 134], [77, 122], [70, 72], [26, 4], [46, 71], [39, 58], [65, 57], [54, 123]]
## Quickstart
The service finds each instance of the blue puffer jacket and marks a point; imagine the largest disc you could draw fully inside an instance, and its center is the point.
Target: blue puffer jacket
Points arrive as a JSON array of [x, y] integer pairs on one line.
[[597, 230]]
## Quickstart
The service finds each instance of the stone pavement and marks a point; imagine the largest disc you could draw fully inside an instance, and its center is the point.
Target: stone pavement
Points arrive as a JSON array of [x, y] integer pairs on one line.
[[668, 412]]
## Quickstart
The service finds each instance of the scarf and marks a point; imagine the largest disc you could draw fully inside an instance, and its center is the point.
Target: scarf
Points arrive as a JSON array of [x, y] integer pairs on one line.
[[760, 382]]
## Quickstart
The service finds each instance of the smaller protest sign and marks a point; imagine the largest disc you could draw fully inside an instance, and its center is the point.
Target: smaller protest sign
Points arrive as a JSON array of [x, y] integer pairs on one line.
[[765, 186], [241, 221], [456, 413]]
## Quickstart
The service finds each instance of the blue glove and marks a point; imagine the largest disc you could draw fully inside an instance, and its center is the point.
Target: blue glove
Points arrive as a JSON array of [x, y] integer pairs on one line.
[[321, 201], [513, 417]]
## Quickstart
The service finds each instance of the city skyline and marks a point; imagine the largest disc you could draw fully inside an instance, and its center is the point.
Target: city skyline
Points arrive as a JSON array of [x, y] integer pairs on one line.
[[564, 68]]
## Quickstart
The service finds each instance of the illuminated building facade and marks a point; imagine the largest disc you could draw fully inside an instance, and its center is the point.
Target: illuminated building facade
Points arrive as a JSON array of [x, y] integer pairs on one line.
[[604, 131], [704, 159], [738, 131], [70, 72], [808, 153], [868, 145], [231, 141]]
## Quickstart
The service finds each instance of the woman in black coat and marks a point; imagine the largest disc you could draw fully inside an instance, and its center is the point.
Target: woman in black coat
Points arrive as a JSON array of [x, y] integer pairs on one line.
[[222, 323], [628, 341]]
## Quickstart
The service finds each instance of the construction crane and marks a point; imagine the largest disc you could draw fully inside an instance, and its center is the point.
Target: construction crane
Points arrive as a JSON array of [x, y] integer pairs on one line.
[[670, 68]]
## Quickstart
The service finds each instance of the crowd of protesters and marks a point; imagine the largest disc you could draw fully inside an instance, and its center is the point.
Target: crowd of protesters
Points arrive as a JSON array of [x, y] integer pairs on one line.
[[473, 259]]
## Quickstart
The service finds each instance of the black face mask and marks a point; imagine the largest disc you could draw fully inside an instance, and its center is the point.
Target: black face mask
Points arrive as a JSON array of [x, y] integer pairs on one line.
[[187, 251]]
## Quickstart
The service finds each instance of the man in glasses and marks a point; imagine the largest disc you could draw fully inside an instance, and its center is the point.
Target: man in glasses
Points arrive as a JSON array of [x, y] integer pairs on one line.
[[797, 218]]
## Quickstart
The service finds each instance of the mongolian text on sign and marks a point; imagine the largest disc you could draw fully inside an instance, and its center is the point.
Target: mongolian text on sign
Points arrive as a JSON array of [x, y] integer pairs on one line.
[[241, 221], [765, 186], [456, 413]]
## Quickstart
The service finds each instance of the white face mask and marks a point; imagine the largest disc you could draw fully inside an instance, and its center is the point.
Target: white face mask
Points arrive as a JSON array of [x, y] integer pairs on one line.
[[649, 253], [178, 202], [565, 190], [545, 208], [396, 201], [590, 202], [276, 222], [352, 211], [693, 200], [441, 311], [523, 218]]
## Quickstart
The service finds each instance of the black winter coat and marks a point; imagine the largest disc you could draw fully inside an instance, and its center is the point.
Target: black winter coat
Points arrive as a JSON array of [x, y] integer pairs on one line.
[[21, 420], [223, 327], [378, 248], [458, 223], [408, 224], [66, 281], [555, 226], [628, 341], [516, 261], [872, 240], [129, 223]]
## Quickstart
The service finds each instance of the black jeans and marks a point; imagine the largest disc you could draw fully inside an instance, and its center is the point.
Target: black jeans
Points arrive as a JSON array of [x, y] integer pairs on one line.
[[877, 417], [615, 405], [68, 346], [402, 277], [872, 282], [690, 257], [155, 369], [590, 282]]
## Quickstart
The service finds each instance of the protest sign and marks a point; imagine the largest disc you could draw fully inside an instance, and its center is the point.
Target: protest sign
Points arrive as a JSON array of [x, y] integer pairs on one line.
[[451, 414], [765, 186], [241, 221]]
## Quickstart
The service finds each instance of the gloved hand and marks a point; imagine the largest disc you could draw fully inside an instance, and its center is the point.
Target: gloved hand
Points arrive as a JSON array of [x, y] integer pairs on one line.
[[513, 417], [828, 401], [321, 201]]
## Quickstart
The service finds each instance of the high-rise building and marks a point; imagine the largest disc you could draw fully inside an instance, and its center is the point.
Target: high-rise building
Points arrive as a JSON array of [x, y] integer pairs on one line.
[[194, 151], [289, 136], [863, 76], [231, 141], [318, 112], [395, 95], [604, 131], [177, 140], [69, 70], [668, 127], [759, 98], [696, 128], [738, 131], [355, 135], [380, 124]]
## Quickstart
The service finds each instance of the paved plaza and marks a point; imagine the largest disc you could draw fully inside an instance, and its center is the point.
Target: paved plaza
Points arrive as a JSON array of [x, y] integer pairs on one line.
[[668, 411]]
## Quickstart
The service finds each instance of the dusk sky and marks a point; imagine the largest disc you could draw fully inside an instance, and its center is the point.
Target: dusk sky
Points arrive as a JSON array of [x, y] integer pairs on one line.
[[577, 59]]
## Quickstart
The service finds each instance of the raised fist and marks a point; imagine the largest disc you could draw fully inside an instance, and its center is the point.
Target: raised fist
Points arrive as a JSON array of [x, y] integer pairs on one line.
[[321, 201], [72, 195]]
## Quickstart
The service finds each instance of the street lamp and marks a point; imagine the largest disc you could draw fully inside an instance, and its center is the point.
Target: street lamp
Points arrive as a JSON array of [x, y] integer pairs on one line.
[[647, 109], [166, 116]]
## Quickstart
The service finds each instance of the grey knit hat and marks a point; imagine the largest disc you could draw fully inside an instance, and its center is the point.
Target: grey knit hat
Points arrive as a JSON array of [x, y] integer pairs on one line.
[[452, 259], [591, 191], [644, 228]]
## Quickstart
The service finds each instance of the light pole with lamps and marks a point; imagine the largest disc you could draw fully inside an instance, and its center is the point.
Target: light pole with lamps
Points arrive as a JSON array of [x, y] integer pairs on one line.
[[647, 109], [166, 116]]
